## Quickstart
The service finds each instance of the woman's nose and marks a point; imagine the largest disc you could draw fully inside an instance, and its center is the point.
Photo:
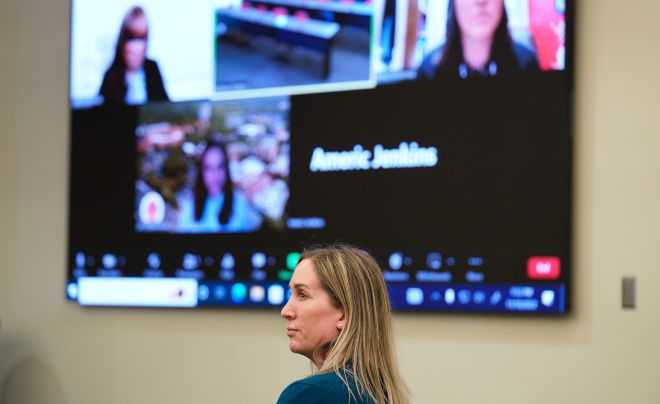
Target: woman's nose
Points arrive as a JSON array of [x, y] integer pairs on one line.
[[286, 310]]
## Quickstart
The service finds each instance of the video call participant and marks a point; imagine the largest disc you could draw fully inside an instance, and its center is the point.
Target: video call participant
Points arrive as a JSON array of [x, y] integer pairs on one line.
[[132, 78], [339, 317], [216, 206], [478, 44]]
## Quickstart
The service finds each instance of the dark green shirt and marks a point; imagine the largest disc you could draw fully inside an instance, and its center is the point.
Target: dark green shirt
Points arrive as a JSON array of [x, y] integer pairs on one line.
[[322, 388]]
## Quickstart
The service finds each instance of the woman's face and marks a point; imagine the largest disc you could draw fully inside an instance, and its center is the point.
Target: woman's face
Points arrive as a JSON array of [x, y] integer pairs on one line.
[[213, 171], [312, 318], [135, 49], [478, 19]]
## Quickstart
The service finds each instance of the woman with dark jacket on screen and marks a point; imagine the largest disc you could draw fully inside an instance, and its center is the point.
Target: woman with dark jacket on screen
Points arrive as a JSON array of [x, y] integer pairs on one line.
[[478, 43], [339, 317], [132, 78]]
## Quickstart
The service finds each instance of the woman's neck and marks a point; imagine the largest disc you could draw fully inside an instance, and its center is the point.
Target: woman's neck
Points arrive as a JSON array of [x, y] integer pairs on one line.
[[214, 193], [318, 361], [130, 74], [476, 51]]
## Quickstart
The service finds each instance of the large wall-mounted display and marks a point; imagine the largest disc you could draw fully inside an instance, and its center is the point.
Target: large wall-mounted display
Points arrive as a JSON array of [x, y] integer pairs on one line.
[[212, 140]]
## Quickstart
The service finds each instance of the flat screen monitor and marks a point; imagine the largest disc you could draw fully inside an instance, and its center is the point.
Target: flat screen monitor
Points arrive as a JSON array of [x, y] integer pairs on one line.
[[213, 140]]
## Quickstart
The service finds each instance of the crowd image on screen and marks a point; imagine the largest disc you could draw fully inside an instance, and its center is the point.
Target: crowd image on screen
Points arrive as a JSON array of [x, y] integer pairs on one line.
[[213, 168], [132, 78]]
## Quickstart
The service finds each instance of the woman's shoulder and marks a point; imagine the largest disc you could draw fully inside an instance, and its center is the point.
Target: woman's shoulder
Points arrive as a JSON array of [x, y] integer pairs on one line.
[[526, 57], [320, 388], [428, 66], [304, 391], [150, 65]]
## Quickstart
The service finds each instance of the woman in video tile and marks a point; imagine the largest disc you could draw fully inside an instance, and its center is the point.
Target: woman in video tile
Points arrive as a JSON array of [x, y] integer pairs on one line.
[[132, 78], [216, 206], [478, 43], [339, 317]]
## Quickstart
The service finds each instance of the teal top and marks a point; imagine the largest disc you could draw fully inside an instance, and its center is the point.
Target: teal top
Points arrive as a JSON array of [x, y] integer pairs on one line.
[[322, 388]]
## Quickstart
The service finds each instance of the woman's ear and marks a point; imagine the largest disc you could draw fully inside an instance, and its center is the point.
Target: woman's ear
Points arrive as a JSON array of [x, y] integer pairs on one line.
[[341, 321]]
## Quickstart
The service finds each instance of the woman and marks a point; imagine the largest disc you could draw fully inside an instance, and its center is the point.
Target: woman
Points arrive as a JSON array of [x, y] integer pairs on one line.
[[478, 43], [216, 206], [132, 78], [339, 317]]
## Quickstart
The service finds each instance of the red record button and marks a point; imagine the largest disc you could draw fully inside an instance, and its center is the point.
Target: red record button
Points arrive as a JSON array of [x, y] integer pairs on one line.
[[543, 267]]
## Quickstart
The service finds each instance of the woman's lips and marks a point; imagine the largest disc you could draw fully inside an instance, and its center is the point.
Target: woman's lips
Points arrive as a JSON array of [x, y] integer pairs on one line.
[[290, 331], [482, 17]]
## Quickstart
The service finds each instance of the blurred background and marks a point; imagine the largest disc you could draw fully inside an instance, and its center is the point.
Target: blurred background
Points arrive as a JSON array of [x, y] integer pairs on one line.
[[53, 351]]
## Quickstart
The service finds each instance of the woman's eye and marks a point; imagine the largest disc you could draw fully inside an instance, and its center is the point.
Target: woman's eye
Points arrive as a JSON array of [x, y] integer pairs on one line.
[[302, 296]]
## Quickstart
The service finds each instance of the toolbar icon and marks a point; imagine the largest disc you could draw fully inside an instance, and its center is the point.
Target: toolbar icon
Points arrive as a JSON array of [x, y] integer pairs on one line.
[[275, 294], [396, 261], [547, 297], [414, 296], [495, 298], [257, 293], [450, 296], [543, 267], [434, 260]]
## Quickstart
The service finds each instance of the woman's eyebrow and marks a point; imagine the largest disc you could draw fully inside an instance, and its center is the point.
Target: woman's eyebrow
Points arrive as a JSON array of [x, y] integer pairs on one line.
[[299, 286]]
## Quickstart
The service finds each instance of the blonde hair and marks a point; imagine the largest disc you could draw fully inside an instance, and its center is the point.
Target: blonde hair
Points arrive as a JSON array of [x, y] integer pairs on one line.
[[365, 346]]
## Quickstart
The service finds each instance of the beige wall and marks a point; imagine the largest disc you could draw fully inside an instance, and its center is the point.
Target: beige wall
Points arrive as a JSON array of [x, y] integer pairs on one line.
[[52, 351]]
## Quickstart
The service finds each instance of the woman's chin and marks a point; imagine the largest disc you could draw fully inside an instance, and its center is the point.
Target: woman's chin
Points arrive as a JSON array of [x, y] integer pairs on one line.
[[298, 350], [294, 347]]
